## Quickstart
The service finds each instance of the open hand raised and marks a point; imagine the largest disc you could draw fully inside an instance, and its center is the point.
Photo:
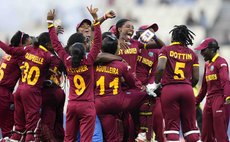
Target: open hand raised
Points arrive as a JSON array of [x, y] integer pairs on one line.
[[51, 15]]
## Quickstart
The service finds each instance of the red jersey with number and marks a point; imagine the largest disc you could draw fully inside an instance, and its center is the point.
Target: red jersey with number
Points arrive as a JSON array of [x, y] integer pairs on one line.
[[109, 78], [9, 71], [179, 66], [146, 65], [81, 79], [34, 66], [215, 79]]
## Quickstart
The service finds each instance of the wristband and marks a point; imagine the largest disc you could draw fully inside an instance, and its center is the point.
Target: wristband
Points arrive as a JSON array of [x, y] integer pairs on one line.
[[50, 21], [228, 98], [95, 23], [52, 25]]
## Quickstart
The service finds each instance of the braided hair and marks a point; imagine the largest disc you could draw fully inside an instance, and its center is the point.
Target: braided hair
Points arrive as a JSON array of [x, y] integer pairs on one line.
[[182, 34]]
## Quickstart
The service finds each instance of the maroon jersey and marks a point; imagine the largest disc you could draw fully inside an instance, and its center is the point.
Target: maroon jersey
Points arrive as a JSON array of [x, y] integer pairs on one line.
[[55, 72], [179, 66], [215, 79], [130, 54], [34, 66], [9, 71], [81, 78], [146, 65], [108, 78]]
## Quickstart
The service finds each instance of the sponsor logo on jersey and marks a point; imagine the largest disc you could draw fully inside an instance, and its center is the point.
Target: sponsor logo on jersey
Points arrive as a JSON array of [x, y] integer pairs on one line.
[[150, 54], [211, 68], [211, 77]]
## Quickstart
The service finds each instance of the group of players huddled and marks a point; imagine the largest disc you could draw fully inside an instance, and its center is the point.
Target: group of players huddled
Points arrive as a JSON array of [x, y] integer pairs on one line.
[[122, 88]]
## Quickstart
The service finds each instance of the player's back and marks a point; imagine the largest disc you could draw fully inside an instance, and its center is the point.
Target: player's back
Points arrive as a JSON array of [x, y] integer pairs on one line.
[[108, 78], [180, 62], [35, 66], [9, 71]]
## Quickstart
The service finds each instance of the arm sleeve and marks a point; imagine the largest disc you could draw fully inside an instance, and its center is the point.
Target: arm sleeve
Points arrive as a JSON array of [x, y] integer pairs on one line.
[[196, 61], [57, 44], [129, 77], [163, 53], [14, 51], [203, 90], [96, 47], [224, 78], [153, 70]]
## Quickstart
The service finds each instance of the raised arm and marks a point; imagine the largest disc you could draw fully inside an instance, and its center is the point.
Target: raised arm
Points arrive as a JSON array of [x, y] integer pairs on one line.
[[97, 41], [54, 38], [129, 77], [109, 14], [153, 43], [14, 51]]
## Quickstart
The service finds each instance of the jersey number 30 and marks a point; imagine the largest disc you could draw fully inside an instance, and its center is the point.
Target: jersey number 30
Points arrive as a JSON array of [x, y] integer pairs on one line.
[[30, 74]]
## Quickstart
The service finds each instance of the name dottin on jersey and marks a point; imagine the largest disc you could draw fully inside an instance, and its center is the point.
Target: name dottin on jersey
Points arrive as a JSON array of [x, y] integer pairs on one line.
[[110, 70], [34, 58], [180, 55]]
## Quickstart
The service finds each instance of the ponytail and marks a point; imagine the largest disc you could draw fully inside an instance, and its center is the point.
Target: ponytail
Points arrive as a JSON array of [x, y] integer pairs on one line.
[[77, 51]]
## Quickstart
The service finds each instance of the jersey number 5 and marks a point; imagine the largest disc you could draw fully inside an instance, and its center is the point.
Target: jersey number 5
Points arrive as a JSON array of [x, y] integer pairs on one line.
[[178, 72]]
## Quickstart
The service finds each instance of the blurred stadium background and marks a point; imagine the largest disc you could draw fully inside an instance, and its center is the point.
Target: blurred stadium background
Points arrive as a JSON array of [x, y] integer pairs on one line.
[[206, 18]]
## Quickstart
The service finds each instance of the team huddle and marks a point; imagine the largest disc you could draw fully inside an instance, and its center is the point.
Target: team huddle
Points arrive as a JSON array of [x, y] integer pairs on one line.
[[122, 88]]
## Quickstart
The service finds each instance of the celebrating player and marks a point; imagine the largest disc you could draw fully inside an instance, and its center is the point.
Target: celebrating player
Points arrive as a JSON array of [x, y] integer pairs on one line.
[[146, 66], [9, 75], [81, 112], [35, 63], [178, 68]]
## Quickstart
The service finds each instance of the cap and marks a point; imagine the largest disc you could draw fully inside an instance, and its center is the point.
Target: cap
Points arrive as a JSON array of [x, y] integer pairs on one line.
[[112, 29], [206, 43], [83, 21], [154, 26]]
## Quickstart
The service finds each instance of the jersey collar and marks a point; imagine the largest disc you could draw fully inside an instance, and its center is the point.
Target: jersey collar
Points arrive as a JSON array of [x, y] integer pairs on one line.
[[43, 48], [175, 43], [215, 57]]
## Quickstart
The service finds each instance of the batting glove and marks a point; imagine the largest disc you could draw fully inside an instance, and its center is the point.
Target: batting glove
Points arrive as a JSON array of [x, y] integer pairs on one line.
[[150, 88]]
